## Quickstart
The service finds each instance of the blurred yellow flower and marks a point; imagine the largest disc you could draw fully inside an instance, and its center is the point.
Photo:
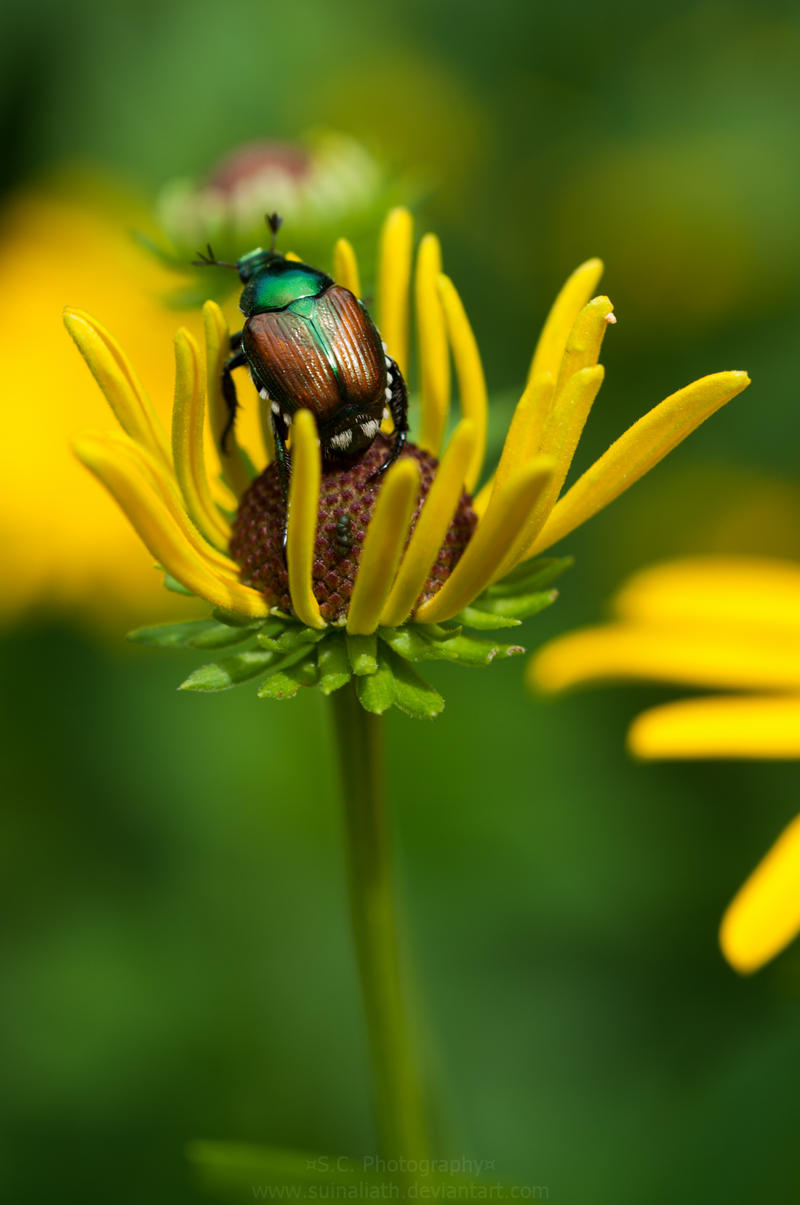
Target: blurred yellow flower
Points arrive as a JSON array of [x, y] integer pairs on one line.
[[62, 549], [719, 623], [172, 499]]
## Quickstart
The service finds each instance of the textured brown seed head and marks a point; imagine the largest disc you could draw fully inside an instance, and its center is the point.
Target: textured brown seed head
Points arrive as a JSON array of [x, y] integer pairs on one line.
[[345, 490]]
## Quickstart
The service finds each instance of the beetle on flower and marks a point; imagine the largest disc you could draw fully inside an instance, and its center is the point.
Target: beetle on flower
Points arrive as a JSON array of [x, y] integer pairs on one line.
[[378, 570]]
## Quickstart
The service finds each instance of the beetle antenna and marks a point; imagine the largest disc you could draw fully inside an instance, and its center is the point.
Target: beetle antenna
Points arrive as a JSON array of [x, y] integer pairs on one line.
[[210, 260], [274, 222]]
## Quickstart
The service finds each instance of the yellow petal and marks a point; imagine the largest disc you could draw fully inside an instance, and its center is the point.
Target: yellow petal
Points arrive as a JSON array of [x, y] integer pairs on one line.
[[345, 266], [765, 914], [559, 441], [160, 533], [164, 485], [302, 527], [494, 536], [469, 370], [394, 275], [585, 340], [217, 339], [434, 353], [115, 376], [700, 657], [188, 413], [566, 307], [641, 447], [751, 727], [383, 546], [745, 592], [432, 525], [524, 436]]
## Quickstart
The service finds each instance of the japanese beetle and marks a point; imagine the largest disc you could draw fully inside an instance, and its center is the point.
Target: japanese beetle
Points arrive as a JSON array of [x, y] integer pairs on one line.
[[310, 344]]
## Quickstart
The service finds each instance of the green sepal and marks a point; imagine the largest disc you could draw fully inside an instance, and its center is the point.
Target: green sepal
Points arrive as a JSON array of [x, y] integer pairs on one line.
[[174, 586], [530, 576], [363, 654], [409, 643], [221, 675], [524, 606], [220, 636], [172, 635], [468, 650], [285, 683], [235, 619], [376, 691], [333, 664], [289, 638], [485, 621], [413, 694]]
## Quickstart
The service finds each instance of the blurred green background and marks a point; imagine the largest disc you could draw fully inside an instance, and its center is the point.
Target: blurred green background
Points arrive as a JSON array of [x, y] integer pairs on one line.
[[176, 959]]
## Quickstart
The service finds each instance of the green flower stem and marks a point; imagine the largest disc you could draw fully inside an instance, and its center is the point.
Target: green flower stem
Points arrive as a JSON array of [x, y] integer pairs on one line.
[[396, 1078]]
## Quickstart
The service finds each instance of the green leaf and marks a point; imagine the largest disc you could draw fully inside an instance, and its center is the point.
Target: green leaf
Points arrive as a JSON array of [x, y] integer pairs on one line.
[[173, 635], [363, 654], [376, 692], [485, 621], [412, 694], [220, 675], [285, 683], [531, 576], [333, 664]]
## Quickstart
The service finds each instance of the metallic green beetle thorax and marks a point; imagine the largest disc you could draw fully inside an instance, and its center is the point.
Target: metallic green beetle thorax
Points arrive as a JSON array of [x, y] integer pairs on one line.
[[284, 281]]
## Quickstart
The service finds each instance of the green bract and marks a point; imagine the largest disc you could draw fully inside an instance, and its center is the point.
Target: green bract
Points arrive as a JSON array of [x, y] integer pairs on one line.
[[280, 654]]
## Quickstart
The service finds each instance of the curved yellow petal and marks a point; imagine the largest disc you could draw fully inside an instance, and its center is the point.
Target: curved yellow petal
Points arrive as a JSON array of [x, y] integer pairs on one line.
[[302, 526], [764, 916], [493, 538], [159, 532], [745, 592], [383, 546], [394, 275], [641, 447], [217, 338], [585, 340], [432, 525], [698, 657], [434, 353], [345, 266], [114, 374], [566, 307], [559, 441], [469, 370], [188, 413], [760, 726], [165, 487]]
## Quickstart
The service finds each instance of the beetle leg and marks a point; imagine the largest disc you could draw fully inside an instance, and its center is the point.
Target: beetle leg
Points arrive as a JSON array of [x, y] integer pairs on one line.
[[398, 408], [283, 463], [229, 394], [236, 340]]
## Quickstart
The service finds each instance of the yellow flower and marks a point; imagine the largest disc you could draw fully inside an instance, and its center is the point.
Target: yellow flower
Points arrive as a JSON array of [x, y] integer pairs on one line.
[[398, 575], [60, 548], [714, 623]]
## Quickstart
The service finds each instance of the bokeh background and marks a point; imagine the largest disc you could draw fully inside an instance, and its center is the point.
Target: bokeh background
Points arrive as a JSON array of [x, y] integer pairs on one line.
[[176, 960]]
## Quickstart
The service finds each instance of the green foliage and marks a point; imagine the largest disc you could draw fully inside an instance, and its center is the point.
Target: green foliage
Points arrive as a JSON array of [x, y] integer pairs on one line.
[[283, 655]]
